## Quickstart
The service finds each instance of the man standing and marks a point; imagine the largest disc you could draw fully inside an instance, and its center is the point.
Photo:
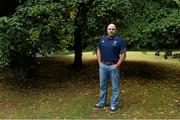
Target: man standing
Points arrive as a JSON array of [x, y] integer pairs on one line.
[[111, 52]]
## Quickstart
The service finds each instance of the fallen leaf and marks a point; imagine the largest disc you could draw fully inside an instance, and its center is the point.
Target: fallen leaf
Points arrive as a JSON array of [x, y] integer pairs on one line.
[[172, 112]]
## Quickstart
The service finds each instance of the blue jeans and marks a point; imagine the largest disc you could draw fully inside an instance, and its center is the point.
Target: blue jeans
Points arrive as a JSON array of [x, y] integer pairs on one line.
[[106, 73]]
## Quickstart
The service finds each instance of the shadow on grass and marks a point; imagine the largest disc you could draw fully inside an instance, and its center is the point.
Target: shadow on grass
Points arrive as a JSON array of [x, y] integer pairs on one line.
[[147, 70], [57, 74]]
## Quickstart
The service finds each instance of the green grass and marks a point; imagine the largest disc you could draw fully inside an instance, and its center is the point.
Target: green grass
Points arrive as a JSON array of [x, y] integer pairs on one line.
[[149, 89]]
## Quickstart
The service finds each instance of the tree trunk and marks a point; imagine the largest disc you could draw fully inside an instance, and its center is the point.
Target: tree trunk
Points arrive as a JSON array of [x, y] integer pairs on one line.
[[81, 24], [77, 47]]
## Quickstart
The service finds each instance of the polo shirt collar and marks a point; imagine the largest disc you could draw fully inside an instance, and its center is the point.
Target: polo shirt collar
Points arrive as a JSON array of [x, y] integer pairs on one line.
[[111, 38]]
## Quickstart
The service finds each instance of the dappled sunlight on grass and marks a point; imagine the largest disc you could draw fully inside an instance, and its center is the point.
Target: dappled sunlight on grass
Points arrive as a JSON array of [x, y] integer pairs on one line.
[[149, 89]]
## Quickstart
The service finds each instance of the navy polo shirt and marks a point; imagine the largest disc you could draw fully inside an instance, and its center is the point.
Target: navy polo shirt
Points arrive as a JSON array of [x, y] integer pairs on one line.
[[111, 48]]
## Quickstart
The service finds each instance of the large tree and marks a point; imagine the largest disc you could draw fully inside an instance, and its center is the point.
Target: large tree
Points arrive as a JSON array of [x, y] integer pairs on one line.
[[42, 26]]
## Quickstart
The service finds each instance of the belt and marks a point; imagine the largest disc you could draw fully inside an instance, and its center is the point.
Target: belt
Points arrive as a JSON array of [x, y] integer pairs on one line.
[[108, 63]]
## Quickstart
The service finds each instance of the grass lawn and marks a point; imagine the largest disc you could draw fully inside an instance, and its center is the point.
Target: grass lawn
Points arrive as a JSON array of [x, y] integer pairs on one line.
[[150, 88]]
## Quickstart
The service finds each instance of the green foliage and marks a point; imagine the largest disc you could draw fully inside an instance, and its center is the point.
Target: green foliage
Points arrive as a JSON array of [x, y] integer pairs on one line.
[[4, 43], [34, 28], [153, 24]]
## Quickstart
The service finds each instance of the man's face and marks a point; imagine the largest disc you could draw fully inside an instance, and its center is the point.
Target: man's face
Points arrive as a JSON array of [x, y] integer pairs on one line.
[[111, 30]]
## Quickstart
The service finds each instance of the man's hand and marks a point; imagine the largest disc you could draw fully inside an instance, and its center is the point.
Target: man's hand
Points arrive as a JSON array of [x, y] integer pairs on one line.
[[122, 56]]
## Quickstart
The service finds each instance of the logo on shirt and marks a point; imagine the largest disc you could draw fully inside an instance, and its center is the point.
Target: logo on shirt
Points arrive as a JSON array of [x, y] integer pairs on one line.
[[114, 43]]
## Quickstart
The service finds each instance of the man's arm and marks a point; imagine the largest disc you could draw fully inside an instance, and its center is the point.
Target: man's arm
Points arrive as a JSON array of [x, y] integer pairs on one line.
[[122, 56], [98, 56]]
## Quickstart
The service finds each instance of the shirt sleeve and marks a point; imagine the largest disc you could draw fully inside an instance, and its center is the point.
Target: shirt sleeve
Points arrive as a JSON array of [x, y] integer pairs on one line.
[[99, 44], [122, 45]]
